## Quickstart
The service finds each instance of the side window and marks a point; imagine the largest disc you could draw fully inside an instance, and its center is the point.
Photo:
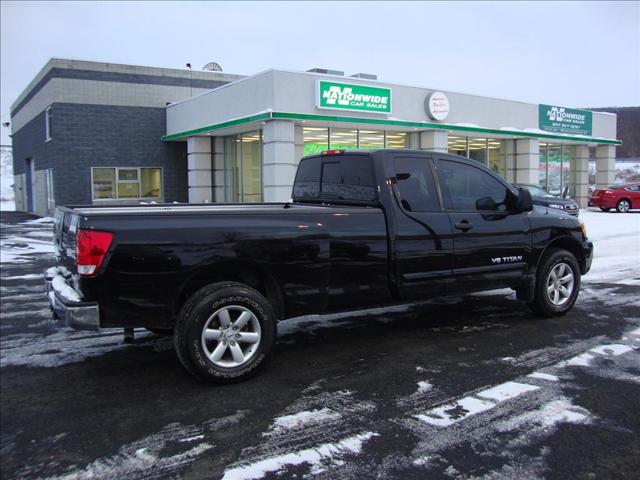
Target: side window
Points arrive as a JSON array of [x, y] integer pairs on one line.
[[634, 188], [339, 177], [47, 124], [469, 188], [414, 184]]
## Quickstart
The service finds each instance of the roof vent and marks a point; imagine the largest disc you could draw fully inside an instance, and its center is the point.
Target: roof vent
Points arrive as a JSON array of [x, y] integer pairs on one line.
[[368, 76], [326, 71]]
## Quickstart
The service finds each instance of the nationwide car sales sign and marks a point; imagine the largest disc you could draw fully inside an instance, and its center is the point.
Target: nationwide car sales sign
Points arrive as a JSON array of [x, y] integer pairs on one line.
[[346, 96], [564, 120]]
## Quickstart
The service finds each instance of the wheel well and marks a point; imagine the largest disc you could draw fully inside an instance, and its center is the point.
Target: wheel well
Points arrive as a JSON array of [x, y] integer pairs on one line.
[[627, 199], [242, 272], [566, 243]]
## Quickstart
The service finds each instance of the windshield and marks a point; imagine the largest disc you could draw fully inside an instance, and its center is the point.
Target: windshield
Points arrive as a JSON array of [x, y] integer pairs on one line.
[[538, 192]]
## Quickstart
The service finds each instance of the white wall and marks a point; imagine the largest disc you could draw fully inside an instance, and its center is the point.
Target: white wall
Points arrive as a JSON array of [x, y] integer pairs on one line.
[[295, 92]]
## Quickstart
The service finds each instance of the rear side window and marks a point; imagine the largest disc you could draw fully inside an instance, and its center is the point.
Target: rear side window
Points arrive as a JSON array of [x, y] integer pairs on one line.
[[414, 184], [335, 177], [470, 188]]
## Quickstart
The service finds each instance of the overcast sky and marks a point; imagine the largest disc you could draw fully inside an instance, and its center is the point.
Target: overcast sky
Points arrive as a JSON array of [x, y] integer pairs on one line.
[[577, 54]]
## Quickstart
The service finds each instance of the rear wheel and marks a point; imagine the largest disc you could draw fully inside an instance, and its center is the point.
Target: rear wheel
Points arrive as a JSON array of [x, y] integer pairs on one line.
[[623, 206], [605, 209], [225, 332], [557, 283]]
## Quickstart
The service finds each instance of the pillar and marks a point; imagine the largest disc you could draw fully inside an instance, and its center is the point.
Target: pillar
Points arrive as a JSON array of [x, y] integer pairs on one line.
[[527, 161], [509, 149], [218, 170], [279, 161], [199, 169], [436, 140], [298, 142], [414, 141], [605, 165], [580, 175]]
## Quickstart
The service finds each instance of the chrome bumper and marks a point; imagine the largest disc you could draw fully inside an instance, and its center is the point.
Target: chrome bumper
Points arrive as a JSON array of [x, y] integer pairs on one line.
[[75, 312]]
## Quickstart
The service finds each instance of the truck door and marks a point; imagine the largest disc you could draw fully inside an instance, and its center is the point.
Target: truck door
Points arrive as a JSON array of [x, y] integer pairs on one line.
[[491, 239], [423, 237]]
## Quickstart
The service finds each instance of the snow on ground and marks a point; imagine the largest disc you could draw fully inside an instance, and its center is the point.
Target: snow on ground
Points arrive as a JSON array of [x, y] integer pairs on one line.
[[319, 458], [6, 180], [7, 205], [21, 242], [616, 240], [159, 455], [325, 429]]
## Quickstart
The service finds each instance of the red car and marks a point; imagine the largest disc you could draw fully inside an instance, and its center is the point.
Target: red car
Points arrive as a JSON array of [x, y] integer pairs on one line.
[[621, 197]]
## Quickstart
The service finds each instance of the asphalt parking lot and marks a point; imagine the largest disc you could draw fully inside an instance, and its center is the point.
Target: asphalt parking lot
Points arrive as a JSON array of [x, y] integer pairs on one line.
[[472, 387]]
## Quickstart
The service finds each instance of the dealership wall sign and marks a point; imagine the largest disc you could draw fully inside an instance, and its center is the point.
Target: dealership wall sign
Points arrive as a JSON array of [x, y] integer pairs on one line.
[[437, 106], [346, 96], [564, 120]]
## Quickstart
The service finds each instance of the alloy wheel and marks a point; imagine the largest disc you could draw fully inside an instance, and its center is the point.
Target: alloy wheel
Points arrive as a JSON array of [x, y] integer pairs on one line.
[[560, 284], [231, 336]]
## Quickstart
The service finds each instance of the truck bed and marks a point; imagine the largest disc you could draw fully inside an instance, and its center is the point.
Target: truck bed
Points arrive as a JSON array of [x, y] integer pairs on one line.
[[317, 257]]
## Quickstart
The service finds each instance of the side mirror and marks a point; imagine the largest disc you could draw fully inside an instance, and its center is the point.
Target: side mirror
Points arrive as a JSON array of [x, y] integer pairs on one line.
[[486, 204], [525, 203]]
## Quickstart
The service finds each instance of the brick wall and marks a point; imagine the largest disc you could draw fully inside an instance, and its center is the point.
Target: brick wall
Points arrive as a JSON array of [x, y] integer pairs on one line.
[[86, 136]]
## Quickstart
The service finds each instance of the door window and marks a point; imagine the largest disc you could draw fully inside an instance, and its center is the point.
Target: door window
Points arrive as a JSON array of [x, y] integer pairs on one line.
[[414, 184], [471, 189]]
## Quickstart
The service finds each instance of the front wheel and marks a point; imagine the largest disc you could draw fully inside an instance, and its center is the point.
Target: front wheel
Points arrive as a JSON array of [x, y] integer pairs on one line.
[[623, 206], [557, 283], [605, 209], [225, 332]]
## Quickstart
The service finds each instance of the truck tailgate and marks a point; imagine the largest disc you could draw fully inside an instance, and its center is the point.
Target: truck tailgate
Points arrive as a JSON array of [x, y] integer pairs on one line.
[[65, 228]]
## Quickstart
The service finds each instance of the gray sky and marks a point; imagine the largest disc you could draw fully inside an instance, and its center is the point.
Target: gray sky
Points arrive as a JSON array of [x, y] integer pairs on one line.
[[575, 54]]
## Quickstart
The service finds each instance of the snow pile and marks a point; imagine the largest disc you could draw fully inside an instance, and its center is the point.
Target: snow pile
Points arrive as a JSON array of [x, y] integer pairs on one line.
[[68, 293], [304, 418], [6, 180]]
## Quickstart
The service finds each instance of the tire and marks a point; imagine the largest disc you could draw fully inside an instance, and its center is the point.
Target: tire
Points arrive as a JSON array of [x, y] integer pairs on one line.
[[164, 332], [605, 209], [241, 330], [549, 299], [623, 205]]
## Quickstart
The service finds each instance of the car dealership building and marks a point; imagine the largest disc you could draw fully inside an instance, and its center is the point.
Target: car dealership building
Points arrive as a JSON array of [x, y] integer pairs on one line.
[[88, 132]]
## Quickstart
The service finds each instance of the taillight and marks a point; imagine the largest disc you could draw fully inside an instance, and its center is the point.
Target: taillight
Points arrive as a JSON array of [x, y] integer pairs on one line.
[[91, 249], [332, 152]]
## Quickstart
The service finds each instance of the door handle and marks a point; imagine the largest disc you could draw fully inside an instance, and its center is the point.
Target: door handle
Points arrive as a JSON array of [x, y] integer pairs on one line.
[[463, 225]]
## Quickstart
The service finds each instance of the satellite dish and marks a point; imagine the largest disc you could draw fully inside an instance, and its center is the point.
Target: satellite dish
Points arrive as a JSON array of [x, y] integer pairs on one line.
[[212, 67]]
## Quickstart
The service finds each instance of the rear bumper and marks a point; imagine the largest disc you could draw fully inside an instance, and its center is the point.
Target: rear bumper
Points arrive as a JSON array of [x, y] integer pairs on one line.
[[67, 303], [600, 202]]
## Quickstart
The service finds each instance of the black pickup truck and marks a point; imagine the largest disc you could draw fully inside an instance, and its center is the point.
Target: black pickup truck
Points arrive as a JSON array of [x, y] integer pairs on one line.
[[363, 229]]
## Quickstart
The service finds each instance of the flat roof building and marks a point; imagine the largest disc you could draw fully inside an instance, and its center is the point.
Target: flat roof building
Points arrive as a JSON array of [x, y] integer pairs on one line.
[[86, 132]]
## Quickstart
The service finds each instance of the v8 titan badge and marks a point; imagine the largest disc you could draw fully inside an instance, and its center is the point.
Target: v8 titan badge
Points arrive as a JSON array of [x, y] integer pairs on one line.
[[437, 106]]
